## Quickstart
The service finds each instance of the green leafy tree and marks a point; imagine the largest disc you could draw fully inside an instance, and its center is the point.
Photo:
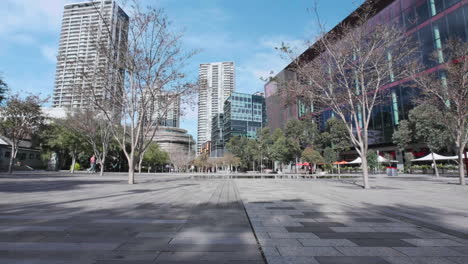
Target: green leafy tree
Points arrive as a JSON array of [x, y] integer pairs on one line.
[[60, 138], [279, 149], [265, 142], [404, 135], [300, 135], [408, 158], [254, 152], [238, 146], [22, 118], [312, 156], [330, 155], [155, 156], [338, 134], [429, 128], [372, 159]]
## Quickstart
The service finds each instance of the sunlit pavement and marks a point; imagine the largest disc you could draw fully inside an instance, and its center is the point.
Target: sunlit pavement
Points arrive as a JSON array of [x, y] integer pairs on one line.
[[59, 218]]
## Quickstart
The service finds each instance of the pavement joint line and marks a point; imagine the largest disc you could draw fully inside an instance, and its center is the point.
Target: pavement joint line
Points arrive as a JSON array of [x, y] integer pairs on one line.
[[250, 224]]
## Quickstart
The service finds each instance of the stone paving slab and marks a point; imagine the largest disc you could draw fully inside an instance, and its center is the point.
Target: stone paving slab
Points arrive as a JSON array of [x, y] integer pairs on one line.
[[104, 220], [336, 231]]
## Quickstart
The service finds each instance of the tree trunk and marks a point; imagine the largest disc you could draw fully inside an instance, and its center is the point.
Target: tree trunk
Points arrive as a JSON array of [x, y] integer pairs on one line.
[[295, 165], [72, 169], [12, 160], [436, 170], [365, 172], [103, 161], [461, 170], [131, 170], [140, 163]]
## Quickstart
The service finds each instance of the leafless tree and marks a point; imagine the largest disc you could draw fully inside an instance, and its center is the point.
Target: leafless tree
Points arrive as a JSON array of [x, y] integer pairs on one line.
[[346, 71], [447, 89], [180, 160], [141, 76], [95, 128]]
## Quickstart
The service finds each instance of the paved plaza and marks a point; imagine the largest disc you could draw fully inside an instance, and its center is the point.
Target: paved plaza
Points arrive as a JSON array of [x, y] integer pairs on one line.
[[60, 218]]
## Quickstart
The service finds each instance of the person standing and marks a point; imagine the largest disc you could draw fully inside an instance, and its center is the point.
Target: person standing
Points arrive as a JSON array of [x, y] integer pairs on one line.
[[92, 161]]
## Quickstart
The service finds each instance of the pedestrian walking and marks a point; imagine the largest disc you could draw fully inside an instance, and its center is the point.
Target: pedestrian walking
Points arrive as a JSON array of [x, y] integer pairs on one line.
[[92, 161]]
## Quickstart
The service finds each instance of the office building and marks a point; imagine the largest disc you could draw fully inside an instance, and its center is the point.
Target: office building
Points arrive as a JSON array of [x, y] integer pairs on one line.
[[217, 82], [244, 115], [217, 139], [431, 22], [167, 109], [86, 26]]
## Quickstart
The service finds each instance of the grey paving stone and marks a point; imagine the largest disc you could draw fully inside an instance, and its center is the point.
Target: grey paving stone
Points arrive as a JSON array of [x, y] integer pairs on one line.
[[214, 241], [209, 256], [306, 242], [273, 242], [38, 246], [352, 229], [372, 220], [280, 208], [308, 251], [429, 251], [381, 242], [418, 260], [31, 228], [377, 235], [369, 251], [458, 260], [139, 221], [45, 261], [291, 260], [292, 235], [326, 224], [157, 234], [433, 242], [269, 251], [309, 229], [463, 249], [351, 260]]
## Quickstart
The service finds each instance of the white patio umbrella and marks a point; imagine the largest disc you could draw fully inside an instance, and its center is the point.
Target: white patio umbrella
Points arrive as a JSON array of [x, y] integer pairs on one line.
[[359, 160], [428, 157]]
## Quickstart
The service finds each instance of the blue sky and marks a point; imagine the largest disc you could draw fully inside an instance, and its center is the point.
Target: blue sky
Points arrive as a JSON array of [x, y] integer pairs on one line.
[[243, 31]]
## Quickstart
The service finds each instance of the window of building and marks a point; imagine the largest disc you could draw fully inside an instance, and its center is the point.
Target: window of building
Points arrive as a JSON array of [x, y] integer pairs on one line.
[[456, 24], [449, 3], [422, 12], [7, 154], [31, 156]]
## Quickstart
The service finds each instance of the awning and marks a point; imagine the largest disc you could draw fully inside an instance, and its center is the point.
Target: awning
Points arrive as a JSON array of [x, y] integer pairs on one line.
[[340, 162], [379, 159], [436, 157]]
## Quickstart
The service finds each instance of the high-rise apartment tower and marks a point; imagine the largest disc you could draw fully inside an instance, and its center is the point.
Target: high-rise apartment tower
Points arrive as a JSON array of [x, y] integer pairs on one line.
[[217, 82], [86, 28]]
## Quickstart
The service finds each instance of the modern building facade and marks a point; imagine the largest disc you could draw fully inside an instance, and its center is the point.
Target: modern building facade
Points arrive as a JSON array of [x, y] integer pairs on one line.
[[217, 82], [431, 22], [217, 139], [167, 110], [244, 115], [85, 27]]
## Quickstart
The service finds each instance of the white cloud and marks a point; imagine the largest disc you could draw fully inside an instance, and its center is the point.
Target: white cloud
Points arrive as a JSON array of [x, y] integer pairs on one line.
[[31, 15], [49, 52]]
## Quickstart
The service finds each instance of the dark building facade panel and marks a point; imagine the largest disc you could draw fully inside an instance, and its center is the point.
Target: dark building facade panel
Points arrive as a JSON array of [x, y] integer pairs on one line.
[[430, 22]]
